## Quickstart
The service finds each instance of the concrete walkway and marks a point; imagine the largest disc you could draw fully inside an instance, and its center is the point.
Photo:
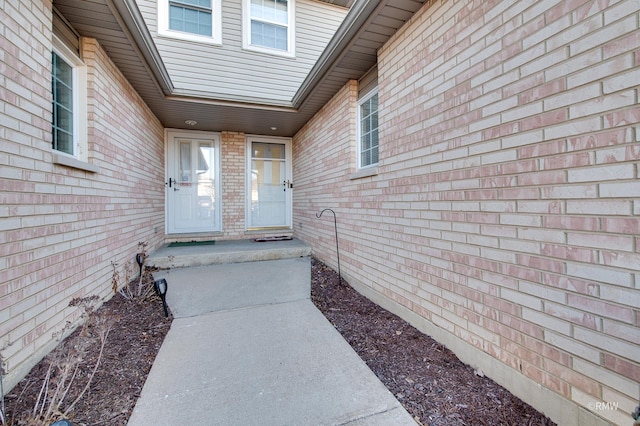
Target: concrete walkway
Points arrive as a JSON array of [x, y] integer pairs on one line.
[[247, 347]]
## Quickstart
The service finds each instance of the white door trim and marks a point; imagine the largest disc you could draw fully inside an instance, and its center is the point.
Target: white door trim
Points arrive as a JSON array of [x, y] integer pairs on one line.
[[287, 187], [171, 135]]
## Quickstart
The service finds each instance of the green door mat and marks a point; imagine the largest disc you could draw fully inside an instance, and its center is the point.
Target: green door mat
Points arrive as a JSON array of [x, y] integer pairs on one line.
[[192, 243]]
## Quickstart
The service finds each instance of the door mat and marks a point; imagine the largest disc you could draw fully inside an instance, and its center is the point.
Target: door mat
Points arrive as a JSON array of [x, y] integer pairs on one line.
[[191, 243], [280, 238]]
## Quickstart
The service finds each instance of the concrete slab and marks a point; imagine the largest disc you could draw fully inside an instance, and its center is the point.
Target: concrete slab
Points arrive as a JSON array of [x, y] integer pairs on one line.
[[203, 289], [279, 364], [248, 347], [231, 251]]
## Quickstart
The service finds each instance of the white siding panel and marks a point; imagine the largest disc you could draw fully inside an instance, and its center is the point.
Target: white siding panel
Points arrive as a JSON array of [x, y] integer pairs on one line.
[[66, 34], [229, 72]]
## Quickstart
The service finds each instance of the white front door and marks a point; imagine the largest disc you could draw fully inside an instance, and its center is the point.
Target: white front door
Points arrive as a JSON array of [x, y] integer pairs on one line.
[[269, 184], [193, 182]]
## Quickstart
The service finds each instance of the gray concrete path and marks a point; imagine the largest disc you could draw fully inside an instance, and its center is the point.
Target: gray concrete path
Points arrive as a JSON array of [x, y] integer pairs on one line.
[[247, 347]]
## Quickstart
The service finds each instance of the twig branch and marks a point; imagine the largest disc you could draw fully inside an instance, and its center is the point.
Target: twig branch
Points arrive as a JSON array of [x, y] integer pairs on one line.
[[43, 389], [103, 338]]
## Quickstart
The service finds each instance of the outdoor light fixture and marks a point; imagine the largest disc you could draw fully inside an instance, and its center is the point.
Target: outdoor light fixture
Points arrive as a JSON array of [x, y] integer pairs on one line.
[[140, 261], [161, 289], [190, 122]]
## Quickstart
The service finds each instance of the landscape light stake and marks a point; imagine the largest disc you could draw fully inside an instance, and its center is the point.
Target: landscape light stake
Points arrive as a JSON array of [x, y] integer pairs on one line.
[[140, 261], [2, 408], [335, 225], [161, 289], [636, 413]]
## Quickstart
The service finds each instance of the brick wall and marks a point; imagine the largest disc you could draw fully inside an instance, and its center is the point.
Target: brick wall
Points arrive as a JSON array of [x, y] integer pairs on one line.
[[61, 227], [233, 155], [323, 157], [233, 184], [505, 215]]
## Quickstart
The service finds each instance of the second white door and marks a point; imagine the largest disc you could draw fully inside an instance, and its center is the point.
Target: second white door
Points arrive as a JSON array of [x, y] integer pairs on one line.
[[269, 184]]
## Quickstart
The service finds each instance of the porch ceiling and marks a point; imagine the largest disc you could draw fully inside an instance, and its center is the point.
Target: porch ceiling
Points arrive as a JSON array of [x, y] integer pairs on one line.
[[120, 29]]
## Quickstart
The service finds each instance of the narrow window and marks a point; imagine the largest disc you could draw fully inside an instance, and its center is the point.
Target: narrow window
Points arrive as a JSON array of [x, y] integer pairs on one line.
[[69, 107], [195, 20], [69, 140], [63, 105], [269, 26], [368, 130]]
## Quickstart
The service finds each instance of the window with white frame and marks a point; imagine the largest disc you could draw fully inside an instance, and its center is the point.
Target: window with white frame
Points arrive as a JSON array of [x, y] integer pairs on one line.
[[62, 88], [69, 102], [269, 26], [194, 20], [368, 129]]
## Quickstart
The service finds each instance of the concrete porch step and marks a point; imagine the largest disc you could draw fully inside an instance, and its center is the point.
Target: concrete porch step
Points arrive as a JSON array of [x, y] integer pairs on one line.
[[231, 251], [200, 290]]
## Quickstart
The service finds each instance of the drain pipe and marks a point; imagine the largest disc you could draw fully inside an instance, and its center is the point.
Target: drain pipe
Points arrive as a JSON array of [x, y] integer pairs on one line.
[[335, 225]]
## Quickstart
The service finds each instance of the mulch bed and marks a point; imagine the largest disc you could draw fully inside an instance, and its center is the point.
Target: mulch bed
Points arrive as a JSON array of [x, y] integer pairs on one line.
[[430, 382], [136, 331]]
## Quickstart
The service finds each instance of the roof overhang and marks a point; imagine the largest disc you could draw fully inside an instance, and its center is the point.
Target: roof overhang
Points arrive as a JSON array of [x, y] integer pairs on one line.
[[343, 3], [120, 29]]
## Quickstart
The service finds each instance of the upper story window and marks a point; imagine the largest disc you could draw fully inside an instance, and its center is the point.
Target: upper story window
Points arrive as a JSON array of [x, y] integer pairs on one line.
[[368, 129], [69, 94], [269, 26], [191, 16], [194, 20]]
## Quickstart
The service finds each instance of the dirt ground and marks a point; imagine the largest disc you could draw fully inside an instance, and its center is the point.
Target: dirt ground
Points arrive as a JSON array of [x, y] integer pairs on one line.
[[431, 383]]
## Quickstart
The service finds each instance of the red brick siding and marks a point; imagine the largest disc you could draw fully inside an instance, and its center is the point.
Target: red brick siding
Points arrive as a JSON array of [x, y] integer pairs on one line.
[[507, 200], [62, 227]]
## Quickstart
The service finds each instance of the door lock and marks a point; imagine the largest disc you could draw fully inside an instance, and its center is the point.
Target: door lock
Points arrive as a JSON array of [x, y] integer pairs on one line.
[[287, 184]]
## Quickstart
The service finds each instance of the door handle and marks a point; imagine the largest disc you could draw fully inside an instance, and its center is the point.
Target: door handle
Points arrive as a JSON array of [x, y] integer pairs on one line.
[[174, 181], [287, 184]]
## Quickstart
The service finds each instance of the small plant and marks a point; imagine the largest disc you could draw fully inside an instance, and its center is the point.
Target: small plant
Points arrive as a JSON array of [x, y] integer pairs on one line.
[[64, 369], [115, 278], [129, 289]]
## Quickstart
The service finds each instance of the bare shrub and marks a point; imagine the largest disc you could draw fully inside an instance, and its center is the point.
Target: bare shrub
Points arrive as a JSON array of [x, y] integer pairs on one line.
[[131, 290], [64, 370]]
